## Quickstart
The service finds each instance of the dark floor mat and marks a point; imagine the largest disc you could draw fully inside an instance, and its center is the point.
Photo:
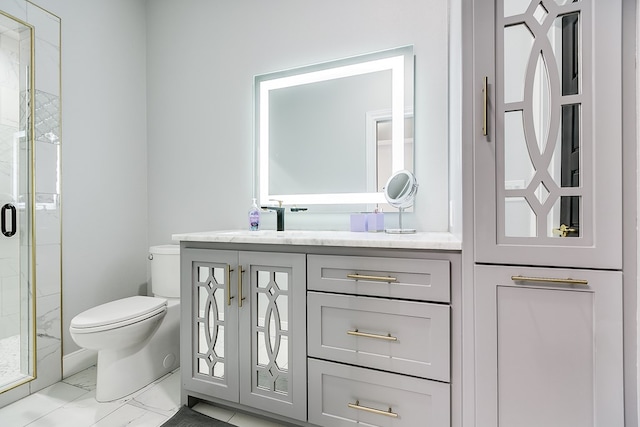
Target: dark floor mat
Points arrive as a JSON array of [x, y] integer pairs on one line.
[[187, 417]]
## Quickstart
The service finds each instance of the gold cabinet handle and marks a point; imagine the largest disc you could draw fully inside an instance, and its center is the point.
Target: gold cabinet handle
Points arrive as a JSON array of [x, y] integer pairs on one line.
[[240, 297], [375, 278], [563, 230], [229, 297], [485, 96], [567, 281], [387, 337], [359, 407]]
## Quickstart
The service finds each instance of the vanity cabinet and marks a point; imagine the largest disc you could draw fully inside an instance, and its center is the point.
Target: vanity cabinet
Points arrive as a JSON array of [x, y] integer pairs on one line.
[[324, 328], [548, 354], [547, 177], [243, 328], [547, 216], [378, 341]]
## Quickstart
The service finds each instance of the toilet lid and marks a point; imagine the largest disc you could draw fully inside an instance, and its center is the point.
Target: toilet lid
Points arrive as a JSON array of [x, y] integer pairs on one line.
[[119, 311]]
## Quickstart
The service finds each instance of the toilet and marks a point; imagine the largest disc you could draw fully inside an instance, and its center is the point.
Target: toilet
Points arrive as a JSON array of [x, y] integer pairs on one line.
[[137, 338]]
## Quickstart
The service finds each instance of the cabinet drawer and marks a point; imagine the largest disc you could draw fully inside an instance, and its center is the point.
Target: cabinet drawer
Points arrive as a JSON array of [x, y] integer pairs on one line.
[[417, 279], [400, 336], [339, 395]]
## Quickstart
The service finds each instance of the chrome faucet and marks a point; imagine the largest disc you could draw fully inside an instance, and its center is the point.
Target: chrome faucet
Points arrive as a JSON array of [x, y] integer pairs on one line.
[[279, 214]]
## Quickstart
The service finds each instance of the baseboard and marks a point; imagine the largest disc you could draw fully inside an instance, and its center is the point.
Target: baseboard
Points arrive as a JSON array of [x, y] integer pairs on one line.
[[78, 361]]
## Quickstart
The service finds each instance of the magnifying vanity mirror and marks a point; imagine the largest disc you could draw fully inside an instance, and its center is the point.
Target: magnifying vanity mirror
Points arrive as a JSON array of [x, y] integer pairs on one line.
[[400, 192], [332, 133]]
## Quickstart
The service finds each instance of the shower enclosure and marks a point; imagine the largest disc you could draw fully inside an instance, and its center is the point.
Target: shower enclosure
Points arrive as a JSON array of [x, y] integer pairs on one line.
[[17, 284], [30, 191]]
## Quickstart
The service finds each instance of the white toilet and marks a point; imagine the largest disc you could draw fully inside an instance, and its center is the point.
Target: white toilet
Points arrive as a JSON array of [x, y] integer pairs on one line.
[[137, 338]]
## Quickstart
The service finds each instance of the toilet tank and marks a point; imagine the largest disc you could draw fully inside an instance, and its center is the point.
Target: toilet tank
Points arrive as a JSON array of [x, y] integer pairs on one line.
[[165, 270]]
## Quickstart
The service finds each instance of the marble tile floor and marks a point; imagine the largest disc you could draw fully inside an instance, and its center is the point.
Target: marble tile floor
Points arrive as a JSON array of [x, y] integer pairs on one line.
[[71, 403]]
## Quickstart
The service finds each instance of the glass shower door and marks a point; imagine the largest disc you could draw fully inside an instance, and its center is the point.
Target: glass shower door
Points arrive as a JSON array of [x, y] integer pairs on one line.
[[17, 336]]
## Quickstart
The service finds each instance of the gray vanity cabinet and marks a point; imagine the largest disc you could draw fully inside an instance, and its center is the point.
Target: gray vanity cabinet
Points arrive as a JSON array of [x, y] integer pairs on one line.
[[379, 341], [547, 192], [549, 354], [243, 329], [547, 170]]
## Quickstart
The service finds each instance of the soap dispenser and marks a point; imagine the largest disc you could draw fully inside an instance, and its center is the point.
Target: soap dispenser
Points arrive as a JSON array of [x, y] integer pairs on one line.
[[254, 216]]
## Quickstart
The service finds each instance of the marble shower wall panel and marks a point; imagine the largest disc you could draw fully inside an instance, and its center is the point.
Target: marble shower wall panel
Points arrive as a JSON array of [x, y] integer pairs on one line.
[[48, 270], [48, 342], [47, 171], [47, 195]]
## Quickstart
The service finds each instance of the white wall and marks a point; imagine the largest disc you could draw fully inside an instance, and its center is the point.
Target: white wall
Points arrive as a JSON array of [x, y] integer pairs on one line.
[[202, 57], [104, 156]]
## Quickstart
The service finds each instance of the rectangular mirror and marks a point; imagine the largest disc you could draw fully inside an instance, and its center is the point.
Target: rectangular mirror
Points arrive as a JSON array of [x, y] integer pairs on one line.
[[332, 133]]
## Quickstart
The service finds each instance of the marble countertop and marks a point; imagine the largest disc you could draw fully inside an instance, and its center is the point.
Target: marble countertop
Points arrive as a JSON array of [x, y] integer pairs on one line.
[[421, 240]]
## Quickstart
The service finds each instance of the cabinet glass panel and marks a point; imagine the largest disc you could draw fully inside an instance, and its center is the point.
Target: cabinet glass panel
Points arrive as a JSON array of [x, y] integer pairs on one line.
[[264, 278], [271, 329], [563, 2], [523, 223], [209, 346], [515, 7], [517, 48], [518, 171], [540, 108]]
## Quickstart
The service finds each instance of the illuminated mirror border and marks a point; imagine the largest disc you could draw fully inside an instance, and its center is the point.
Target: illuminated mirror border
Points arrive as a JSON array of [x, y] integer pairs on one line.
[[390, 60]]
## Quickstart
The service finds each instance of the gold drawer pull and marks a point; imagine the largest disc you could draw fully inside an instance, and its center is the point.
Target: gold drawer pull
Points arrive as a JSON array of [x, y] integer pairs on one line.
[[567, 281], [240, 297], [485, 96], [387, 337], [357, 406], [229, 297], [377, 278]]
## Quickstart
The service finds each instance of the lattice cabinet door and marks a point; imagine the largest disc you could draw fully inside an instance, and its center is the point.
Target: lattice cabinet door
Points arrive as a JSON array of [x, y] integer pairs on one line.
[[273, 333], [209, 328], [547, 134]]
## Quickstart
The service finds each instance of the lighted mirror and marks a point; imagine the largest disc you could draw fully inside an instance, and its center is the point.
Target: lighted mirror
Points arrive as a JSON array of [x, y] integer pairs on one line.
[[333, 133]]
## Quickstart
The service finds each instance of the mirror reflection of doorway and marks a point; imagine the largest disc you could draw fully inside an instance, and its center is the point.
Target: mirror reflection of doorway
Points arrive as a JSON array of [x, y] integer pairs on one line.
[[383, 155], [383, 147], [570, 136], [17, 330]]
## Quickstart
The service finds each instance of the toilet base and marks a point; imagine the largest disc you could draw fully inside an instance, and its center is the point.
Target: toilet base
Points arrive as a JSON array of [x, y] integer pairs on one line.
[[125, 371]]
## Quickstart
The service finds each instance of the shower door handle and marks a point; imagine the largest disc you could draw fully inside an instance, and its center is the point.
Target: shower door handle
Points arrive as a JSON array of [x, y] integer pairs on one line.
[[3, 220]]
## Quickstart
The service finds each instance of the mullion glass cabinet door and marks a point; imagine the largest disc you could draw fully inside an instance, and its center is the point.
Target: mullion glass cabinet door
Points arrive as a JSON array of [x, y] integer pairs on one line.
[[548, 171], [273, 333], [212, 362]]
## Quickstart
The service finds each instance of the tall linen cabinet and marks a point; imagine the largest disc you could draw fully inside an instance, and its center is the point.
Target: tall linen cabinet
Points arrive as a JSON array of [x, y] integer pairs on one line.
[[547, 196]]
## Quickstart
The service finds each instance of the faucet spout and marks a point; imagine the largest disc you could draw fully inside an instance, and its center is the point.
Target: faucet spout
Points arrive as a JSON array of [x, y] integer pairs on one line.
[[279, 214]]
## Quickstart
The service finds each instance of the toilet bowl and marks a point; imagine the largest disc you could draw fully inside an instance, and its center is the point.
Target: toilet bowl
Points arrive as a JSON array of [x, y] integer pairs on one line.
[[137, 338]]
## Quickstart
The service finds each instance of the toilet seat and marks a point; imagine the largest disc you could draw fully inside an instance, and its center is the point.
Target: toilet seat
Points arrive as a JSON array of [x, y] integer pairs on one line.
[[119, 313]]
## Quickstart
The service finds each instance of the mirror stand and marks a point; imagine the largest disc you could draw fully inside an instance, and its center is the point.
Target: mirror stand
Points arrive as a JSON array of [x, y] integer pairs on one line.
[[400, 191], [400, 230]]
